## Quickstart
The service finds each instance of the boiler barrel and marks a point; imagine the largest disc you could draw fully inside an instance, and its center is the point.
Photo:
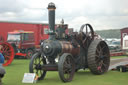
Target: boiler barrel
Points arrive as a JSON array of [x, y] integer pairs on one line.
[[67, 47]]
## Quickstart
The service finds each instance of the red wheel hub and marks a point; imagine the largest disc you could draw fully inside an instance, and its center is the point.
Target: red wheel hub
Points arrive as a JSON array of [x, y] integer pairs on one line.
[[8, 53]]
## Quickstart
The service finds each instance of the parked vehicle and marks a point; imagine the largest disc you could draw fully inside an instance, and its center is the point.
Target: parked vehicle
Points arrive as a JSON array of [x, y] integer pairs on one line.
[[23, 42], [115, 46]]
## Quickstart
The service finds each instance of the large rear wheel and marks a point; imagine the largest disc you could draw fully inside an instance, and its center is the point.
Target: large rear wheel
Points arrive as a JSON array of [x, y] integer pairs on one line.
[[37, 61], [66, 67], [98, 57]]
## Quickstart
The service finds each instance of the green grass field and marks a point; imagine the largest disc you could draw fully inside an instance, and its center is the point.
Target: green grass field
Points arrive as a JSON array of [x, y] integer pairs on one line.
[[118, 57], [16, 70]]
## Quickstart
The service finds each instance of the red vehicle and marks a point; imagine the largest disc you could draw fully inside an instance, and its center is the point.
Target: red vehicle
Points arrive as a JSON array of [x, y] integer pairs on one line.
[[23, 42], [24, 37]]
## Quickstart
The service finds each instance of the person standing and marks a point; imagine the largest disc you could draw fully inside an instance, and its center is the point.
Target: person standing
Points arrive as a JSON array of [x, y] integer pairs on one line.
[[2, 70]]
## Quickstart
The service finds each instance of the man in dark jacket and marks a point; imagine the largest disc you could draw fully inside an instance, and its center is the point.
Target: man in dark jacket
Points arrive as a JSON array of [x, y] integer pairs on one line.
[[2, 70]]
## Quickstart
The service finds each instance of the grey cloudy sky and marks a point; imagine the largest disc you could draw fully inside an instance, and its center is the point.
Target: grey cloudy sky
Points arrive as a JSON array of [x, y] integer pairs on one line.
[[102, 14]]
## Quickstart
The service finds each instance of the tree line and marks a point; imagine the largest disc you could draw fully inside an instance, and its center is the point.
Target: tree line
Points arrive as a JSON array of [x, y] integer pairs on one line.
[[113, 33]]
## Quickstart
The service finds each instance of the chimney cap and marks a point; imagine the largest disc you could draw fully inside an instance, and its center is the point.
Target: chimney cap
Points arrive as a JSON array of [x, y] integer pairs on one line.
[[51, 5]]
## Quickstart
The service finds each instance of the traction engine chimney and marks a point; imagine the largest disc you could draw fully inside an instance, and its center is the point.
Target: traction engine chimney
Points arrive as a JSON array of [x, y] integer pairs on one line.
[[51, 13]]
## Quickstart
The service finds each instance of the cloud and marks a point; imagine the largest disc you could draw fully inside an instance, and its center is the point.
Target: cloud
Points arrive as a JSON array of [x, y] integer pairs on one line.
[[12, 5], [102, 14]]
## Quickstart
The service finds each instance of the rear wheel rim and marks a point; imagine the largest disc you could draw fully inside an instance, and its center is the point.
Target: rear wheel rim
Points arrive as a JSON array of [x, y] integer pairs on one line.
[[98, 57], [102, 59]]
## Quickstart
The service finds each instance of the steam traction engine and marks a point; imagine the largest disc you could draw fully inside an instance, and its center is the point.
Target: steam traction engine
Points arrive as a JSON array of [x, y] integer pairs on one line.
[[69, 53]]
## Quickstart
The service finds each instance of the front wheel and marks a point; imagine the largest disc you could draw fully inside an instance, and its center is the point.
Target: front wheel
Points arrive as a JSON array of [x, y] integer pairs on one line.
[[37, 61], [66, 67]]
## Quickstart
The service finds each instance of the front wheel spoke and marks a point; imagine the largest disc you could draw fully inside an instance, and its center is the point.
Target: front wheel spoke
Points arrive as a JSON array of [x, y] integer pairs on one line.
[[36, 61], [34, 70], [67, 73], [65, 63], [68, 60], [39, 59], [64, 70], [41, 72], [37, 72], [68, 66], [34, 67]]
